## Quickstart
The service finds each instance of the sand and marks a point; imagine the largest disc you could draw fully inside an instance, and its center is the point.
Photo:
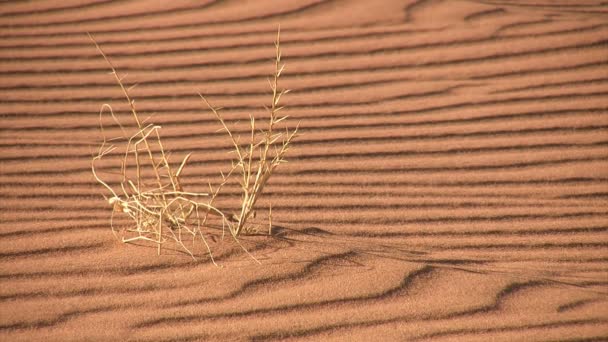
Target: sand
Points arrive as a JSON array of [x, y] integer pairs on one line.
[[450, 182]]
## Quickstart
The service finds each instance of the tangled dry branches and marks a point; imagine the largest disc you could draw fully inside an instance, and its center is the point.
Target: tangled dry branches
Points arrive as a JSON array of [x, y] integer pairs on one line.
[[149, 190]]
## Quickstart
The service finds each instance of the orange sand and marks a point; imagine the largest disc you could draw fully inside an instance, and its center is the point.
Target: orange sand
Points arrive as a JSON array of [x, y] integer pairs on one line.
[[451, 182]]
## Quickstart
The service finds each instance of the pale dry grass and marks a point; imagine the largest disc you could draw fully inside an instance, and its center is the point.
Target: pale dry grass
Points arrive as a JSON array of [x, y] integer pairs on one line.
[[257, 160], [149, 190]]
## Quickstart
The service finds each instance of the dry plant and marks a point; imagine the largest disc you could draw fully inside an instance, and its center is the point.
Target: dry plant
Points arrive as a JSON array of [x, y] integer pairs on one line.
[[150, 191], [152, 194], [265, 151]]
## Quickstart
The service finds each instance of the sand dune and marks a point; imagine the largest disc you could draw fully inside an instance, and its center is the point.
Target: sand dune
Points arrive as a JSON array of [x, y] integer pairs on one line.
[[450, 182]]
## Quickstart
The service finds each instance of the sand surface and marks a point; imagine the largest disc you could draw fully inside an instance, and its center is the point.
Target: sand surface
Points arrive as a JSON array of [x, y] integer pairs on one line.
[[450, 183]]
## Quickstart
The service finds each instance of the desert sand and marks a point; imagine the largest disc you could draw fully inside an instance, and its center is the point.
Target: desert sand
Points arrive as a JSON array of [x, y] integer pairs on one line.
[[450, 182]]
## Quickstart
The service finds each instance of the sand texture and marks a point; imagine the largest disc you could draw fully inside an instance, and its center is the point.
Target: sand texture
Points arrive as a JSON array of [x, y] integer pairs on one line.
[[450, 182]]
